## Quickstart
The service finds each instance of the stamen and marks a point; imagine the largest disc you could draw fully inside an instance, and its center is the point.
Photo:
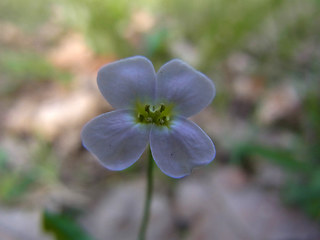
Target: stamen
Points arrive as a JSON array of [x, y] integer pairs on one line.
[[140, 117], [154, 114], [147, 108], [162, 107]]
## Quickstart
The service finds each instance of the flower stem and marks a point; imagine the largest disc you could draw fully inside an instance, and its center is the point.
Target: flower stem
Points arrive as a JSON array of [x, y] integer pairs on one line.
[[146, 211]]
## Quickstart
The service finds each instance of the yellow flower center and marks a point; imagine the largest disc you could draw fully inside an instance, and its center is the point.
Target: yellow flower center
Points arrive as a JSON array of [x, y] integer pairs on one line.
[[160, 115]]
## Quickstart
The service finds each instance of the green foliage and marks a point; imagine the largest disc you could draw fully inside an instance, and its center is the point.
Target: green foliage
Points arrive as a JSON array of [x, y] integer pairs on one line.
[[3, 159], [303, 188], [103, 22], [282, 157], [281, 40], [279, 50], [302, 162], [312, 125], [217, 27], [156, 45], [63, 227], [214, 28], [12, 184], [27, 14], [23, 68], [15, 182], [44, 163], [304, 191]]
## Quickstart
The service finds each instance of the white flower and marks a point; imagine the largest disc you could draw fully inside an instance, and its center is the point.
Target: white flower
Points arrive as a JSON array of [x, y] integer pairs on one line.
[[151, 108]]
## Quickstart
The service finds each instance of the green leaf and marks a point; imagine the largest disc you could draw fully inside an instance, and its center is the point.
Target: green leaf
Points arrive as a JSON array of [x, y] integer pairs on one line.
[[63, 227], [3, 160], [14, 185], [278, 156]]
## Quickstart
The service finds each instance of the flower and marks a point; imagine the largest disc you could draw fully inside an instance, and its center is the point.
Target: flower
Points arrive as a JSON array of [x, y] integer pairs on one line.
[[151, 108]]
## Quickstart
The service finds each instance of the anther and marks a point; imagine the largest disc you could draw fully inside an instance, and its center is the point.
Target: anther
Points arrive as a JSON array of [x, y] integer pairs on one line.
[[147, 108], [162, 107], [140, 117]]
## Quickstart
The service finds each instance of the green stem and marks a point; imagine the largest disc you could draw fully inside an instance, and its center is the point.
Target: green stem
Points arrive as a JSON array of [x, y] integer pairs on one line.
[[146, 211]]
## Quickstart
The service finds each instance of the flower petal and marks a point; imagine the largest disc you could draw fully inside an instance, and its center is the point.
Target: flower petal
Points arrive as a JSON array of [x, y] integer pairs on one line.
[[126, 81], [189, 89], [115, 139], [180, 148]]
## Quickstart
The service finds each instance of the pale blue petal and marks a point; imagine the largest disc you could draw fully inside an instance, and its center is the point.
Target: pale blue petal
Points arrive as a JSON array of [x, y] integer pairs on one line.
[[126, 81], [115, 139], [177, 150], [189, 89]]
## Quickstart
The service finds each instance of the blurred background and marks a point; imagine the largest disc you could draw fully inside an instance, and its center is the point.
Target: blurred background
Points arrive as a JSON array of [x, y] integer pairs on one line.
[[262, 55]]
